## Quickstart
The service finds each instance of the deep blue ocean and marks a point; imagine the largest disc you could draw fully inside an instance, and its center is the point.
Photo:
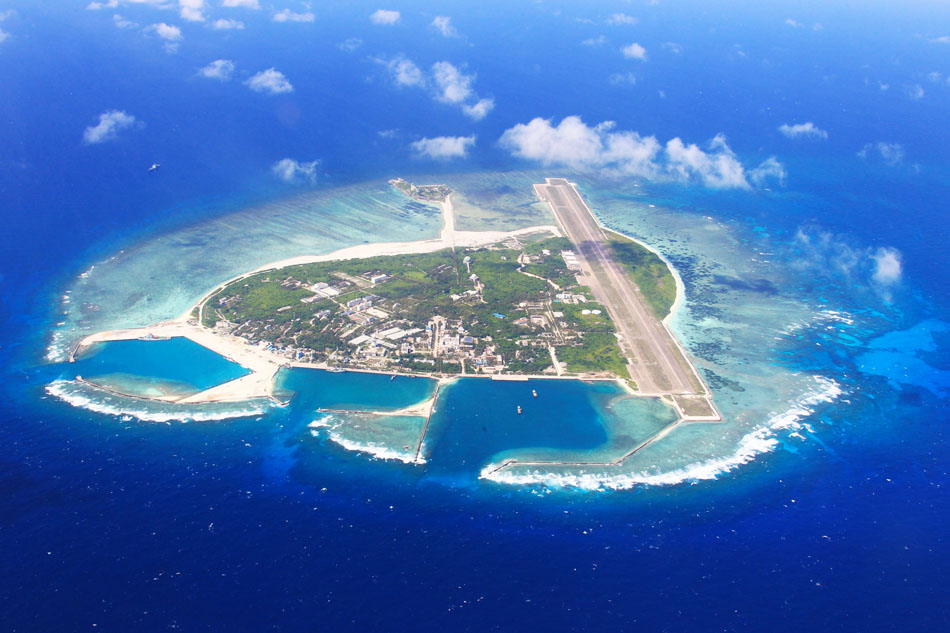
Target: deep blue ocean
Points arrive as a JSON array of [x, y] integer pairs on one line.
[[251, 524]]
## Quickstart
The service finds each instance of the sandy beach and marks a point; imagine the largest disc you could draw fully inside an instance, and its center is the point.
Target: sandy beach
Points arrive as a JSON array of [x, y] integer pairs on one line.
[[263, 363]]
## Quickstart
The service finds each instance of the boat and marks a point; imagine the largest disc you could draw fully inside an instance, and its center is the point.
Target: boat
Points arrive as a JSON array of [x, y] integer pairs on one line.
[[519, 409], [534, 393]]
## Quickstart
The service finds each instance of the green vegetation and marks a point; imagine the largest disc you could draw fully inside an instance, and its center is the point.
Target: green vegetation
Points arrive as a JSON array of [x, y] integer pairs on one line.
[[491, 309], [597, 351], [648, 270]]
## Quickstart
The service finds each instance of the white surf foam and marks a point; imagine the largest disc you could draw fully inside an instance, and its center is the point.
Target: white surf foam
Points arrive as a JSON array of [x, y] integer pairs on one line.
[[89, 398], [751, 445], [376, 450]]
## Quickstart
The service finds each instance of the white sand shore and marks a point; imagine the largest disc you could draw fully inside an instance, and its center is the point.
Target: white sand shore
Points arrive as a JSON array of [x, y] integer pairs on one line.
[[264, 363]]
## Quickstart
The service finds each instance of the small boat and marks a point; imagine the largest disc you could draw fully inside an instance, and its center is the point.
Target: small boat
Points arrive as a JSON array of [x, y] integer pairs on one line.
[[519, 409], [534, 393], [393, 377]]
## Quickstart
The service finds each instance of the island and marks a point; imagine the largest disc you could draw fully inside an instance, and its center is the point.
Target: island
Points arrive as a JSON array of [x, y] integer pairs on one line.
[[571, 300]]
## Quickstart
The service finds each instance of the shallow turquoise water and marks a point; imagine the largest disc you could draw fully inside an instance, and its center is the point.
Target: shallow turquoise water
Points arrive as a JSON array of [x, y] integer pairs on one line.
[[176, 364]]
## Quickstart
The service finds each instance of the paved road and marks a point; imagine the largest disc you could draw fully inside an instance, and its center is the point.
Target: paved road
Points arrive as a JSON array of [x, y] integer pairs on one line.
[[658, 364]]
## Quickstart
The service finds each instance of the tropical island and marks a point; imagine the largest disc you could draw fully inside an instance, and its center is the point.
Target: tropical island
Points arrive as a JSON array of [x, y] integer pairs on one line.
[[572, 300]]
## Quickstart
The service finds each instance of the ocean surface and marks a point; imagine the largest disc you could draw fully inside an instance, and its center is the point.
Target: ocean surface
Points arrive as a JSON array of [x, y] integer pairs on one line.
[[819, 503]]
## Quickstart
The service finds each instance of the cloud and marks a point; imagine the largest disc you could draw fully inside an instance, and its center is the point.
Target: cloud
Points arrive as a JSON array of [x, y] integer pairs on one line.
[[110, 124], [225, 24], [891, 154], [271, 81], [915, 92], [452, 85], [614, 153], [109, 4], [168, 32], [888, 266], [795, 24], [350, 44], [879, 270], [446, 83], [384, 16], [768, 171], [247, 4], [802, 130], [293, 171], [673, 47], [623, 79], [943, 39], [621, 18], [220, 69], [286, 15], [404, 72], [634, 51], [192, 10], [480, 109], [443, 24], [122, 23], [443, 147], [600, 40]]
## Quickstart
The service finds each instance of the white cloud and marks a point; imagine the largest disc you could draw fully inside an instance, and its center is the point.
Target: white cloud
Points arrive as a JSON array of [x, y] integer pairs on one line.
[[767, 171], [443, 24], [611, 152], [443, 147], [915, 92], [220, 69], [109, 4], [888, 266], [271, 81], [878, 270], [600, 40], [673, 47], [225, 24], [802, 130], [891, 153], [634, 51], [192, 10], [122, 23], [286, 15], [795, 24], [943, 39], [247, 4], [621, 18], [479, 110], [110, 124], [452, 85], [350, 44], [623, 79], [384, 16], [290, 170], [404, 72], [445, 83], [168, 32]]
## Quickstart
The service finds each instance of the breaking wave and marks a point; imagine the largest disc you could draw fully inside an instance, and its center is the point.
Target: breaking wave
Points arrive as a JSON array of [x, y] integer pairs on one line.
[[87, 397], [760, 441], [376, 449]]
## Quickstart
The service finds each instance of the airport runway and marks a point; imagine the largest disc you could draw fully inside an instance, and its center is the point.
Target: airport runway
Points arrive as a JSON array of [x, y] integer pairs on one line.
[[658, 365]]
